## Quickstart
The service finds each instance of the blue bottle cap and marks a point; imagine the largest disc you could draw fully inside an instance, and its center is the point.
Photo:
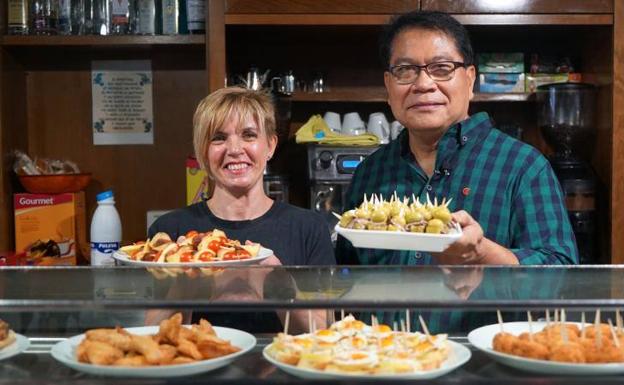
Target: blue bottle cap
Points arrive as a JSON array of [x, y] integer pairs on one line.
[[104, 195]]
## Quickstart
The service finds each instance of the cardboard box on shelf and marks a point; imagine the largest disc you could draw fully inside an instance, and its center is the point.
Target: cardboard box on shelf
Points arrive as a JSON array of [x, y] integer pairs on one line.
[[196, 181], [535, 80], [500, 63], [41, 218], [503, 82]]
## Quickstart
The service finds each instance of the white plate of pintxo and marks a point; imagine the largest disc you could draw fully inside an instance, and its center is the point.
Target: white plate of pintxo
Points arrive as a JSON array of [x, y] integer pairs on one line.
[[194, 249], [350, 349], [399, 224], [558, 347], [11, 343]]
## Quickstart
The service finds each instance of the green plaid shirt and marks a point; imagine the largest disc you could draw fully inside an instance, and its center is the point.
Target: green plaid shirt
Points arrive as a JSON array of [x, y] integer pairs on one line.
[[505, 185]]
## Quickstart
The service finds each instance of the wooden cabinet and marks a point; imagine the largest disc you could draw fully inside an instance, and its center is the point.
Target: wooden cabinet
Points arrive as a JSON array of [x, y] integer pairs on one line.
[[45, 102]]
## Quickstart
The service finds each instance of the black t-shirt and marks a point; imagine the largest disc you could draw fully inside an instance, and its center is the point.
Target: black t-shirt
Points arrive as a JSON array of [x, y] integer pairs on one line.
[[297, 237]]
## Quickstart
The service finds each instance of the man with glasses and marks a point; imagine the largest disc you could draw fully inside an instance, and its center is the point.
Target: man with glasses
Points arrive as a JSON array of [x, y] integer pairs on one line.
[[505, 195]]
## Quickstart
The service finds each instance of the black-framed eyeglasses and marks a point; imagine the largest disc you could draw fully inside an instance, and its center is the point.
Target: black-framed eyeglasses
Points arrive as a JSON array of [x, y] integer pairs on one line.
[[439, 71]]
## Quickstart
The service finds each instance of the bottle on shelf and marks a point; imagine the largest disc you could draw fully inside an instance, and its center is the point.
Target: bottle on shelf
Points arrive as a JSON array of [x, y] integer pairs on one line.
[[18, 17], [77, 17], [170, 17], [196, 16], [120, 17], [105, 230], [64, 17], [44, 17], [145, 21], [100, 19]]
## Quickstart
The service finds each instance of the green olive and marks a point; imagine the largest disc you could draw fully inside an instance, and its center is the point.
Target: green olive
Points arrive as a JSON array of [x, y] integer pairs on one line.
[[425, 213], [413, 216], [362, 213], [346, 218], [442, 213], [417, 229], [379, 216], [392, 227], [435, 226], [398, 220]]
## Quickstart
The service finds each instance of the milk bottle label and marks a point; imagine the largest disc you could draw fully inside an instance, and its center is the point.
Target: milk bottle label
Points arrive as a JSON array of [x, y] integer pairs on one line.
[[102, 253]]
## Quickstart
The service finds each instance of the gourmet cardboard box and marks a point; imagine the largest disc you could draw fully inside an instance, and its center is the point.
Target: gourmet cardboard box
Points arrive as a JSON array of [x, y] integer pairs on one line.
[[56, 217]]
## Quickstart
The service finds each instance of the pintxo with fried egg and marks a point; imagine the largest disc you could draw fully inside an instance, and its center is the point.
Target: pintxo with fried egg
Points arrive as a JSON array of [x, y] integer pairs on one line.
[[212, 246]]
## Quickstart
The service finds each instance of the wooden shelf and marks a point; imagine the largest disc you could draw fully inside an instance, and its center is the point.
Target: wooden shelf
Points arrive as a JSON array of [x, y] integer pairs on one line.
[[128, 40], [466, 19], [378, 94]]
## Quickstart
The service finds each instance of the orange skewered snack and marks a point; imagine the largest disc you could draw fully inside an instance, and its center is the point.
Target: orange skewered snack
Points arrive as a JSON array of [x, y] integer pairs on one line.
[[7, 336], [173, 344], [212, 246]]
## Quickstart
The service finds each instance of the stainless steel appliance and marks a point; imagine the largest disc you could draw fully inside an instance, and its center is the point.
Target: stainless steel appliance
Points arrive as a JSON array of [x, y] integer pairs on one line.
[[330, 170]]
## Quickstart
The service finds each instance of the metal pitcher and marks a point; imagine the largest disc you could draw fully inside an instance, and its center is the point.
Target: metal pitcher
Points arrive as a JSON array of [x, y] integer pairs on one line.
[[254, 80], [284, 84]]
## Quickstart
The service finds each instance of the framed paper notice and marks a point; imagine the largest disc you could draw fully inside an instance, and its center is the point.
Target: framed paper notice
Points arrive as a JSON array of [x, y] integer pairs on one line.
[[122, 102]]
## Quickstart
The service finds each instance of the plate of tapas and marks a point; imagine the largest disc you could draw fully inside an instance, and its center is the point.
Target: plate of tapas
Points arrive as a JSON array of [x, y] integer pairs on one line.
[[194, 249], [168, 350], [11, 343], [400, 224], [351, 349], [558, 347]]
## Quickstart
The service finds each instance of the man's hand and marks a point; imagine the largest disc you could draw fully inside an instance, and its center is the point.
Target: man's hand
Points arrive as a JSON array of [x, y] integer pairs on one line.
[[472, 247], [463, 281]]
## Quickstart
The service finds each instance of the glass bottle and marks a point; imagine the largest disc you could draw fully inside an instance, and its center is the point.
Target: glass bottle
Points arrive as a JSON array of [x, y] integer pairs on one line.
[[196, 16], [77, 17], [145, 17], [170, 15], [120, 16], [18, 17], [44, 17], [101, 17], [64, 17]]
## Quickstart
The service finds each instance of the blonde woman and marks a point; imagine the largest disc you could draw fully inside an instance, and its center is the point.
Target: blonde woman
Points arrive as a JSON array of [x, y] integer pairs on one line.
[[234, 136]]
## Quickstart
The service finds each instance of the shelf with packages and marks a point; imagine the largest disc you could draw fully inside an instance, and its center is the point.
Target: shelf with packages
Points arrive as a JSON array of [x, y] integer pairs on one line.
[[378, 94], [112, 40], [37, 307]]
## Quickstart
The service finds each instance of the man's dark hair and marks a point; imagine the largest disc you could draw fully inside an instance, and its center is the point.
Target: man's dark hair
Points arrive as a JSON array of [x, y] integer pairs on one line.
[[437, 21]]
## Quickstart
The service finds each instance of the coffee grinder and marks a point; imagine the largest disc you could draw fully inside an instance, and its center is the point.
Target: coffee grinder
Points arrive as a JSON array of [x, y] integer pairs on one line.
[[566, 120]]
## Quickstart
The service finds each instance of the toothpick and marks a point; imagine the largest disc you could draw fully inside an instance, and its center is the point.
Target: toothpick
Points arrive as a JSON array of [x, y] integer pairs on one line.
[[547, 317], [314, 326], [426, 330], [395, 326], [342, 314], [448, 202], [615, 339], [286, 322], [530, 319], [428, 200], [500, 319], [556, 316], [374, 321], [408, 322], [618, 321], [435, 201], [310, 321], [563, 316], [583, 324], [598, 329], [402, 325], [337, 215]]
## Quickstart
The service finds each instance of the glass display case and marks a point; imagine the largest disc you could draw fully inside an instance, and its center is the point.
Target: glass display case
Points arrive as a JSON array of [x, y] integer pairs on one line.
[[48, 305]]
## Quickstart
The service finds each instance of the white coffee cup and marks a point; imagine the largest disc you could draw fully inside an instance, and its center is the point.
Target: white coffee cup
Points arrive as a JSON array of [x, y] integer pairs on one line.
[[378, 125], [332, 119], [395, 129], [352, 124]]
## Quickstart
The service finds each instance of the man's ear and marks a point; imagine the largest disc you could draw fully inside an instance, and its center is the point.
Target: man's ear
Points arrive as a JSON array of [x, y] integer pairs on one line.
[[471, 73]]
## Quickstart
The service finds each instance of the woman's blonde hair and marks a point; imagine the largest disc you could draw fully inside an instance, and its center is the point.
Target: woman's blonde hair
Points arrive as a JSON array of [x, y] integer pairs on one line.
[[230, 103]]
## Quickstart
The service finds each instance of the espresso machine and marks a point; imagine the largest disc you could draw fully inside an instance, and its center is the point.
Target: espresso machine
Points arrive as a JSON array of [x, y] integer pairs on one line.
[[329, 173], [566, 120]]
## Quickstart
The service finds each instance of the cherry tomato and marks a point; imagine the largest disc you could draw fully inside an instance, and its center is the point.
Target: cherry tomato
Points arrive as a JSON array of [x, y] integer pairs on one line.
[[186, 257]]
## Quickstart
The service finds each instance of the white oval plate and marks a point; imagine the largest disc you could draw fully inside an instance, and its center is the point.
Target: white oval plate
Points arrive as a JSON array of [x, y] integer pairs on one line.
[[125, 259], [65, 352], [458, 355], [399, 240], [20, 344], [482, 339]]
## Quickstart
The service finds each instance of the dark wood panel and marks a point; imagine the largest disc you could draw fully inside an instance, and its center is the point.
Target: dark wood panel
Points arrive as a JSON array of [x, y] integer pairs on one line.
[[467, 19], [526, 6], [113, 41], [12, 136], [215, 45], [617, 159], [148, 177], [320, 6]]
